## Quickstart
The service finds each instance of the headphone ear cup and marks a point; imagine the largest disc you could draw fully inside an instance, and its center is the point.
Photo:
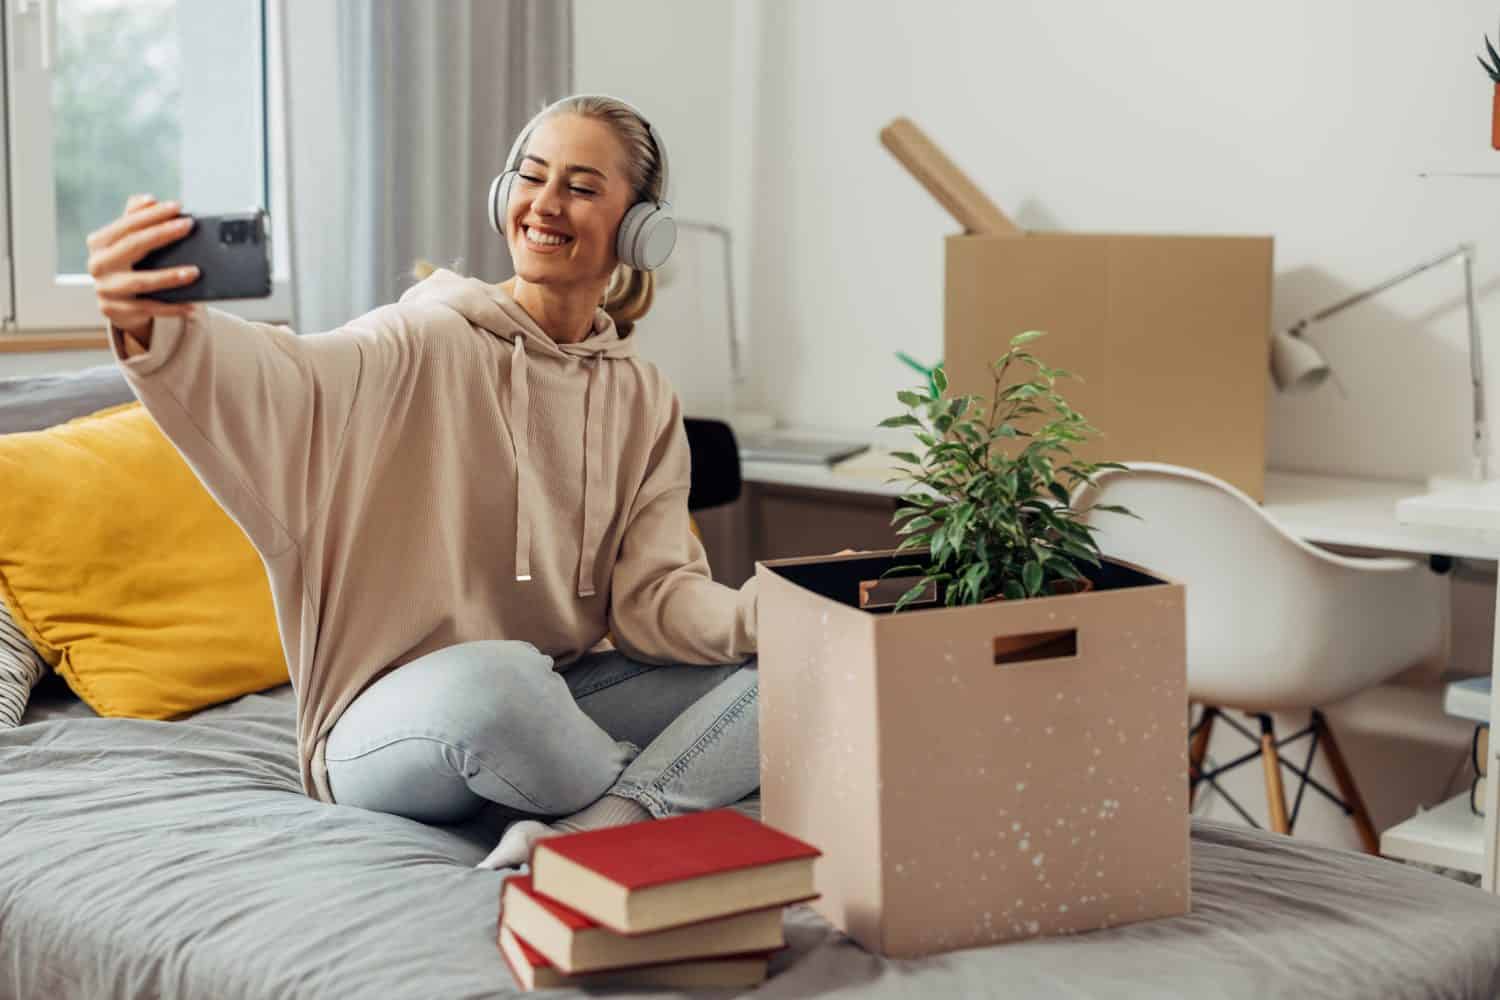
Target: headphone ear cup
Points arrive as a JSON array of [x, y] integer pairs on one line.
[[647, 235], [499, 200]]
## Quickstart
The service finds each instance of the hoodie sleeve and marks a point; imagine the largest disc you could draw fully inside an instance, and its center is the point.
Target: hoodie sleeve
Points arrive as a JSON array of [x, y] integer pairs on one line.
[[664, 605], [258, 412]]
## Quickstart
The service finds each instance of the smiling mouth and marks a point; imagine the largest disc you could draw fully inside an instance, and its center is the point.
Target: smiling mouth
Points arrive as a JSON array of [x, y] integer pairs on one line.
[[544, 239]]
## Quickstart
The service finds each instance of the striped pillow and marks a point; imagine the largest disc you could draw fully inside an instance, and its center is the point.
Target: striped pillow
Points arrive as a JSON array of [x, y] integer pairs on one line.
[[21, 666]]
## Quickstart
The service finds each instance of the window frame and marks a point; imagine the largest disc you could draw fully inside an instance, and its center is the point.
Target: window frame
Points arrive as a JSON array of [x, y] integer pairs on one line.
[[38, 300]]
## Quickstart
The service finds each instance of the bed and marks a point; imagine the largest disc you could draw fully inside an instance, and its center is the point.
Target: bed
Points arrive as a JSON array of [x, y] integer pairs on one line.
[[143, 859]]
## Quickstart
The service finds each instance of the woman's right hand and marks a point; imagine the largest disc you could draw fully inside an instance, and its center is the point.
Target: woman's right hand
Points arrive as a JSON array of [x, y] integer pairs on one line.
[[145, 226]]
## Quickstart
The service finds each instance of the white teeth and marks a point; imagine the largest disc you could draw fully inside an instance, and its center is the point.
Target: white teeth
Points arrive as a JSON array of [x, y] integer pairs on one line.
[[546, 239]]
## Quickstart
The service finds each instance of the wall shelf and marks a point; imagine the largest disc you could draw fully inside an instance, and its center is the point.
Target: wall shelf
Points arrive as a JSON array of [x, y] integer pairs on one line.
[[1449, 835]]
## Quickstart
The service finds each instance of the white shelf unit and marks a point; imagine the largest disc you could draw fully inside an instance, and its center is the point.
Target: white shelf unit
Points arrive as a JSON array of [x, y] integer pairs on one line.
[[1449, 835]]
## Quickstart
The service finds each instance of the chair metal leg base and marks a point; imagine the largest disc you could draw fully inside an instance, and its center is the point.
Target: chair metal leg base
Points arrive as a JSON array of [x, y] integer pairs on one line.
[[1268, 748]]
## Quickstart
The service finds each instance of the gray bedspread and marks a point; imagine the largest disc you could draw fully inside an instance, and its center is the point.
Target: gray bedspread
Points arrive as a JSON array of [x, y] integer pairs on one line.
[[143, 859]]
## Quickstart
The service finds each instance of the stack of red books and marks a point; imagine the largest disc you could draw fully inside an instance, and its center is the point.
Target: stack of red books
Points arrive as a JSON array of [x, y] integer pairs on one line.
[[684, 903]]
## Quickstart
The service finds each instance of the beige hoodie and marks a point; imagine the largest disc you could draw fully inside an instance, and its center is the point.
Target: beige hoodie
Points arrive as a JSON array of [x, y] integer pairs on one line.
[[440, 471]]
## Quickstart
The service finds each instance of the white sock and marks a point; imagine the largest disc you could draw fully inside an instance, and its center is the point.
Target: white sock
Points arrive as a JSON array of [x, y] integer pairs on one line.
[[515, 844], [521, 836], [609, 810]]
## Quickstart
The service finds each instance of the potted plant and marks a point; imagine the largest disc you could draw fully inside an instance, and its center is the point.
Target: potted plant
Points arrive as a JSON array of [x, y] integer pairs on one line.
[[995, 524], [1493, 69]]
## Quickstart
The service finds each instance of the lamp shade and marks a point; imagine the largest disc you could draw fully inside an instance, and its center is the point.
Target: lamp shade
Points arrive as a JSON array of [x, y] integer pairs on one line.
[[1296, 365]]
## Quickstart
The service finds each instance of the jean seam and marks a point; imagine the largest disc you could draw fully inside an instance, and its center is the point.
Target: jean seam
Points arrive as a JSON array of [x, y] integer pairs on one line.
[[611, 682], [710, 736], [448, 744]]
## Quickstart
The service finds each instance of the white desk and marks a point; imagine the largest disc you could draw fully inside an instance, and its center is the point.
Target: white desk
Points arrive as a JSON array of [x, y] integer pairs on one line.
[[1388, 515], [1333, 510]]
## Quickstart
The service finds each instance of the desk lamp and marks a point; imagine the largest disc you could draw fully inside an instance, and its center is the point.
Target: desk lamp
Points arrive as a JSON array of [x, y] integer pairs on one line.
[[1297, 365]]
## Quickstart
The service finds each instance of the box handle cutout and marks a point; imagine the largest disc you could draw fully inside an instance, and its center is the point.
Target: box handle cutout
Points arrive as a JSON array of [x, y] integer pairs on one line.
[[1035, 646]]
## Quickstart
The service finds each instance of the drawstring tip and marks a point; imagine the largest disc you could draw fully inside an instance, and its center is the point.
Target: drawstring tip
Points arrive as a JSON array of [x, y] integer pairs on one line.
[[585, 592], [523, 579]]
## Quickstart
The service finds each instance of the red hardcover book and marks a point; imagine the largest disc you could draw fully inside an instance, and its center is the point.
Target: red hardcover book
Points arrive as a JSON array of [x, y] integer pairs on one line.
[[574, 943], [534, 972], [665, 873]]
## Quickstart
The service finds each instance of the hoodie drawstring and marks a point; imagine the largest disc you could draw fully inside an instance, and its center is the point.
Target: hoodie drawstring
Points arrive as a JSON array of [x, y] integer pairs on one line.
[[593, 465], [593, 477], [520, 409]]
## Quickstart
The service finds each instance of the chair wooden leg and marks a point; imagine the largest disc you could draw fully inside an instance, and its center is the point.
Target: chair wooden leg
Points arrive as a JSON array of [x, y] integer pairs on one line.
[[1275, 793], [1198, 749], [1347, 788]]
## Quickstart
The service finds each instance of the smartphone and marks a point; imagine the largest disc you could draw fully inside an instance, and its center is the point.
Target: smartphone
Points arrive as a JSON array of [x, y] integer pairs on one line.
[[232, 253]]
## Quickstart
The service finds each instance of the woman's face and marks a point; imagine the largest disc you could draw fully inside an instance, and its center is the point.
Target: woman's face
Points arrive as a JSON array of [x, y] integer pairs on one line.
[[567, 202]]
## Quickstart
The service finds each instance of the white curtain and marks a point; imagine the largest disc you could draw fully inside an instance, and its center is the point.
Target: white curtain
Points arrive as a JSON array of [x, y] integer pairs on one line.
[[401, 113]]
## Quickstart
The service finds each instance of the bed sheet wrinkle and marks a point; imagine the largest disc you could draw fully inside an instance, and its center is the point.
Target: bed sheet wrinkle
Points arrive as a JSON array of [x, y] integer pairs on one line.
[[181, 859]]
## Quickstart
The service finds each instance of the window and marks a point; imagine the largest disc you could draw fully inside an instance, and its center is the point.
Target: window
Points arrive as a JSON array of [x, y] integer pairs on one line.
[[109, 97]]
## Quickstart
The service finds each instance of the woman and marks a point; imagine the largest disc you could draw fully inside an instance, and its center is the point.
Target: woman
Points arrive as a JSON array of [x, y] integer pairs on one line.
[[457, 498]]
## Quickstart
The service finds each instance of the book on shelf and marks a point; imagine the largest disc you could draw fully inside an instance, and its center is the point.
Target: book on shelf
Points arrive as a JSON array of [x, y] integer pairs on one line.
[[1468, 699], [665, 873], [534, 972], [1481, 749], [1476, 795], [574, 943]]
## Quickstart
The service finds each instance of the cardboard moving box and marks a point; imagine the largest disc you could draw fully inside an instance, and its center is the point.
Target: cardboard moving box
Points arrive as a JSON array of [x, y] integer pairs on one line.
[[1170, 337], [963, 793]]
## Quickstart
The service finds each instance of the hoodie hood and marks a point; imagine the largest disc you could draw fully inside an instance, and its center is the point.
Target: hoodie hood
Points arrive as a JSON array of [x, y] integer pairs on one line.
[[491, 309]]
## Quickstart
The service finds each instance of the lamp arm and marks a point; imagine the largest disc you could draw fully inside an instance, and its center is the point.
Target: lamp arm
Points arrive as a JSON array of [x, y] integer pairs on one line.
[[1481, 458], [1466, 250]]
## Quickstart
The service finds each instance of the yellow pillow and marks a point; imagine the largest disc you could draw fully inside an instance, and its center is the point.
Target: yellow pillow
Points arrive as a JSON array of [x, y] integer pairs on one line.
[[126, 575]]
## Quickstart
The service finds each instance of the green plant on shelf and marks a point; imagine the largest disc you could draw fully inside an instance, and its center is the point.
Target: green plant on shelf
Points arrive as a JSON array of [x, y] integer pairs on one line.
[[995, 524], [1493, 66]]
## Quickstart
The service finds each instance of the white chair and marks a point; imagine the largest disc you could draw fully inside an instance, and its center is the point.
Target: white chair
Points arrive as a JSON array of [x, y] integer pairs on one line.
[[1273, 624]]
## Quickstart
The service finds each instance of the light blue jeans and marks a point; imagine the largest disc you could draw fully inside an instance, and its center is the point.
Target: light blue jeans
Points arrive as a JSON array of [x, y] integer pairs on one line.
[[491, 721]]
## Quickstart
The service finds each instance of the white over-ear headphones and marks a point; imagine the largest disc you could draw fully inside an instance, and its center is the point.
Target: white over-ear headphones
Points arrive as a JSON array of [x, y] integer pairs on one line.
[[647, 233]]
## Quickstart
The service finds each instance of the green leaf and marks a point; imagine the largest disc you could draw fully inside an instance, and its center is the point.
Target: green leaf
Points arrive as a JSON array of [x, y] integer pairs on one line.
[[1013, 591], [913, 362], [1116, 509], [940, 379], [906, 456], [1065, 569], [905, 420], [911, 398], [1060, 491], [917, 524], [912, 542], [1031, 576], [911, 595], [1026, 338]]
